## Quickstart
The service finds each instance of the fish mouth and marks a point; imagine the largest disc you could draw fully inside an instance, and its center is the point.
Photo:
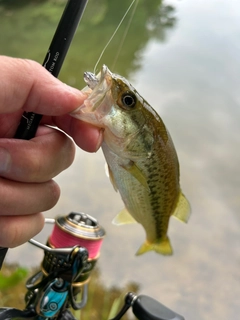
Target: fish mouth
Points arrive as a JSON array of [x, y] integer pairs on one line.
[[96, 90], [100, 85]]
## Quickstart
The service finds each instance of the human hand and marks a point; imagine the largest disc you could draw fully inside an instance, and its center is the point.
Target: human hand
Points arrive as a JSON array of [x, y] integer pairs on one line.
[[28, 166]]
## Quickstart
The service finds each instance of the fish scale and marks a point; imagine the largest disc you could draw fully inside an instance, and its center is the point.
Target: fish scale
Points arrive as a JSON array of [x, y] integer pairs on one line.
[[142, 161]]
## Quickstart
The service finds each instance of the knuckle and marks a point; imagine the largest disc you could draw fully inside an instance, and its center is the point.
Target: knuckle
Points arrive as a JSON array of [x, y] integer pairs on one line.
[[29, 65]]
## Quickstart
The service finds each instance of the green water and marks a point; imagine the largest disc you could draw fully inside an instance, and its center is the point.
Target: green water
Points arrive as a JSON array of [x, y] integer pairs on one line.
[[183, 57], [29, 27]]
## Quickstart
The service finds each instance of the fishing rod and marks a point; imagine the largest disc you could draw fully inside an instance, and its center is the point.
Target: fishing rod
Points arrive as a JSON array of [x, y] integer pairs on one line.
[[53, 62], [70, 255]]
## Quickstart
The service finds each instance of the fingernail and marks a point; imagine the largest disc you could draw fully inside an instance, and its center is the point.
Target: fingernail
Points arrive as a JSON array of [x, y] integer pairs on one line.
[[5, 160]]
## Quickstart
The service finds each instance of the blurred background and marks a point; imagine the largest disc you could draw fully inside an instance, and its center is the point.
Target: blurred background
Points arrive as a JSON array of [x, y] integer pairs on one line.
[[183, 57]]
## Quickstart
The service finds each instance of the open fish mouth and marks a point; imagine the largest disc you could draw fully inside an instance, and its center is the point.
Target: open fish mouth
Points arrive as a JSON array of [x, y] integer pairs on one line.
[[100, 82], [96, 105], [97, 88]]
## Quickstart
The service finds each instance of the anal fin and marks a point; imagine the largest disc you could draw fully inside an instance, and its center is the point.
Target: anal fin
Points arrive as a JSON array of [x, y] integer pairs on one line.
[[183, 209]]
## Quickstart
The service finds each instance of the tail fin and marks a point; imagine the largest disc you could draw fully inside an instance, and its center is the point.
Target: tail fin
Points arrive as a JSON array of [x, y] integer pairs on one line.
[[162, 246]]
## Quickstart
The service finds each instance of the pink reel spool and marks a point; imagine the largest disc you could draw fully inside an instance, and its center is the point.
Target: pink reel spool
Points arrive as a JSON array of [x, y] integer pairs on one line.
[[78, 229]]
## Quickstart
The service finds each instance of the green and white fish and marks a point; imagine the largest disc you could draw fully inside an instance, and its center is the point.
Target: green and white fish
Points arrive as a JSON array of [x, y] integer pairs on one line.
[[142, 161]]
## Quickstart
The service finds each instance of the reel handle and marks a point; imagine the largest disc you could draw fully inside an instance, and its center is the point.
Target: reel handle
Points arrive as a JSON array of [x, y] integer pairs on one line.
[[147, 308]]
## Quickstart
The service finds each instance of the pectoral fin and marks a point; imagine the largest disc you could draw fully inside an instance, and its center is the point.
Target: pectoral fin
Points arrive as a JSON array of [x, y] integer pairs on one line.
[[110, 176], [123, 217], [183, 209], [133, 169]]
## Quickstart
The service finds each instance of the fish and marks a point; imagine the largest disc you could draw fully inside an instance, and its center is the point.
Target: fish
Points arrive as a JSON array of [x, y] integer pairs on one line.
[[141, 158]]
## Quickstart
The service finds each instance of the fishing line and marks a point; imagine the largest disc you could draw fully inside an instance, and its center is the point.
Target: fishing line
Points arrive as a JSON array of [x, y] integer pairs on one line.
[[124, 35], [109, 41]]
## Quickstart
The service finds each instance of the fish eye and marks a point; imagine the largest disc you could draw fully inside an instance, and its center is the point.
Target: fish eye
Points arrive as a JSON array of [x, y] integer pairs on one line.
[[128, 100]]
